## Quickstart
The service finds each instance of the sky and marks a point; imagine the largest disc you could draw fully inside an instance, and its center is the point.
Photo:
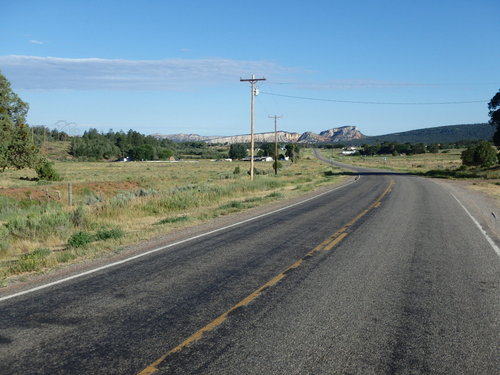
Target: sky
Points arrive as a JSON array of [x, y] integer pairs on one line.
[[174, 66]]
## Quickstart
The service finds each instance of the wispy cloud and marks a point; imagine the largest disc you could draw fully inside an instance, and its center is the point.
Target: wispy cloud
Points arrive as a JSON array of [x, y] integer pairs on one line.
[[34, 41], [53, 73], [347, 84]]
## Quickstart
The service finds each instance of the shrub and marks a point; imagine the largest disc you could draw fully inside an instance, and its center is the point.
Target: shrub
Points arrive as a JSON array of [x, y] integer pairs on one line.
[[177, 219], [79, 217], [65, 256], [275, 194], [90, 197], [7, 206], [39, 225], [114, 233], [232, 204], [31, 262], [237, 170], [80, 239], [4, 238], [257, 172], [482, 154], [46, 171]]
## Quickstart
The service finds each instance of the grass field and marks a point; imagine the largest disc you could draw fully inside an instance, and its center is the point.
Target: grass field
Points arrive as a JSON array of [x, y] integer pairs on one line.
[[405, 163], [446, 164], [117, 204]]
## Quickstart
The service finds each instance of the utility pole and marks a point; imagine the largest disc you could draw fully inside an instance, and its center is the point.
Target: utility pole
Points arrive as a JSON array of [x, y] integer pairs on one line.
[[252, 151], [275, 117]]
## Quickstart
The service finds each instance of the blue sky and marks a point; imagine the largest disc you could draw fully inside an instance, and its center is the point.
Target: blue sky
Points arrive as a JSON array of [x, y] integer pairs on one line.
[[174, 66]]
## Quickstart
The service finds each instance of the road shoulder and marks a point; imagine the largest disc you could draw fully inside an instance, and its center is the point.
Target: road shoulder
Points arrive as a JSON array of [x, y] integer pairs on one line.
[[484, 208]]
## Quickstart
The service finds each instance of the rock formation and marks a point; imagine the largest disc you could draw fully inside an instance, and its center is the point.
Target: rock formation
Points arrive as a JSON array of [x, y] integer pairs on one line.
[[344, 133]]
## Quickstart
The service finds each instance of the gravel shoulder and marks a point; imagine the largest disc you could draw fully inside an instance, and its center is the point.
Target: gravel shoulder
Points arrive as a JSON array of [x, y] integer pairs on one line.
[[484, 208]]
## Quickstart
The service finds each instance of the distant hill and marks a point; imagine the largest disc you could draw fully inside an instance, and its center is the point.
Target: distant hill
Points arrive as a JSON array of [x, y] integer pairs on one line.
[[341, 134], [440, 134]]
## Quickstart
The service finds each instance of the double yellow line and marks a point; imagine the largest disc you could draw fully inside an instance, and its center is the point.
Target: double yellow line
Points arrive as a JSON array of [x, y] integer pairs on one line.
[[326, 245]]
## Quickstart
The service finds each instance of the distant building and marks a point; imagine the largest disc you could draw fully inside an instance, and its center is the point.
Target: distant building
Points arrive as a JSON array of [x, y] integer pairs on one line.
[[349, 150]]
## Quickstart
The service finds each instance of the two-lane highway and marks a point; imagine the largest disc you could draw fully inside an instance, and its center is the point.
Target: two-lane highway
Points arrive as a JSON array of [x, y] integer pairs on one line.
[[385, 275]]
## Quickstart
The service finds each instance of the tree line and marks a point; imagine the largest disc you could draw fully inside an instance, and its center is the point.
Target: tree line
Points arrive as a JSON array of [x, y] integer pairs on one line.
[[93, 145]]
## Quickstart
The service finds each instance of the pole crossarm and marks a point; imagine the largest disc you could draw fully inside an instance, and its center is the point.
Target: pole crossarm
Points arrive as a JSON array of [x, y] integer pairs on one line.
[[252, 79]]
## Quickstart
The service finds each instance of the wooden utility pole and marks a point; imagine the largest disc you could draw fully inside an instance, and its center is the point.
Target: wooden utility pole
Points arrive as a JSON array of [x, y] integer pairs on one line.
[[252, 151], [275, 117]]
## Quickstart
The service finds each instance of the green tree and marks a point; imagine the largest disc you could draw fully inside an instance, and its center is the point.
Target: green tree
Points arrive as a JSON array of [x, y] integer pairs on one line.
[[494, 113], [21, 151], [266, 149], [17, 149], [418, 148], [293, 152], [433, 148], [482, 154], [237, 151], [6, 131], [12, 109]]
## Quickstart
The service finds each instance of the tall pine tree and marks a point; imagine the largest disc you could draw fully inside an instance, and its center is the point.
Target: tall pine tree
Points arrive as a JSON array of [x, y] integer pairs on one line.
[[494, 107], [17, 149]]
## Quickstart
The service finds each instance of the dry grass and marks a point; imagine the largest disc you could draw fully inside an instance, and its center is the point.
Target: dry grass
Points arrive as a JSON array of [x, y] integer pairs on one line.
[[450, 159], [445, 164], [488, 187]]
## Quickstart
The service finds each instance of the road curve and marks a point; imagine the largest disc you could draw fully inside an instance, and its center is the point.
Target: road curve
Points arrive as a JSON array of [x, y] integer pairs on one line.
[[388, 275]]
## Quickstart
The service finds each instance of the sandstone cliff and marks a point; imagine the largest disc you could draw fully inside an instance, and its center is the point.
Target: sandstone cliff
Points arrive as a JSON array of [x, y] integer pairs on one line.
[[344, 133]]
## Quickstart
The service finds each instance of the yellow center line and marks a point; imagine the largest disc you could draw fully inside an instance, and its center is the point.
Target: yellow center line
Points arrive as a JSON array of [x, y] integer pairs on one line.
[[335, 241], [326, 245]]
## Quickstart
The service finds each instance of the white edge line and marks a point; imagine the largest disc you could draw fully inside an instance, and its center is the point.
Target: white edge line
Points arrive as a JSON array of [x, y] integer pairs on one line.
[[488, 238], [168, 246]]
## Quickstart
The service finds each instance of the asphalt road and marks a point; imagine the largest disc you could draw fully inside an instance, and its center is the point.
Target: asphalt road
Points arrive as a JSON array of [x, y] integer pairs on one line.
[[387, 275]]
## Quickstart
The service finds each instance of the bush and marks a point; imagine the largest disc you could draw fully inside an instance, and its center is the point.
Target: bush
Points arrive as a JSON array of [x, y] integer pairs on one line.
[[103, 235], [32, 261], [79, 217], [7, 206], [65, 256], [90, 197], [482, 154], [39, 225], [177, 219], [275, 194], [257, 172], [4, 238], [278, 164], [80, 239], [46, 171]]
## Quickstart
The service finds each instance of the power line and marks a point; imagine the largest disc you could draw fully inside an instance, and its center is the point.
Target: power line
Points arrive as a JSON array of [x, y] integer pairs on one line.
[[370, 102]]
